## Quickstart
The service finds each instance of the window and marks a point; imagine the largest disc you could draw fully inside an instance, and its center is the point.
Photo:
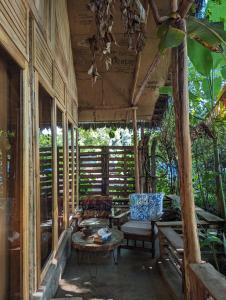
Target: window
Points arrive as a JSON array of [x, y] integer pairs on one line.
[[60, 170], [70, 167], [10, 180], [46, 175]]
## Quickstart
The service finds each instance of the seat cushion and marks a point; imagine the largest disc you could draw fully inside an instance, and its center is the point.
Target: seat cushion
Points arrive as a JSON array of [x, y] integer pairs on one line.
[[137, 228]]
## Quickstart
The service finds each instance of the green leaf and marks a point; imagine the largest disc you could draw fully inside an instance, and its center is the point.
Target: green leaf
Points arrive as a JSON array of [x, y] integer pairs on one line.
[[206, 32], [162, 29], [206, 89], [223, 72], [171, 38], [217, 82], [210, 241], [200, 57], [218, 59], [167, 90], [193, 97], [224, 241]]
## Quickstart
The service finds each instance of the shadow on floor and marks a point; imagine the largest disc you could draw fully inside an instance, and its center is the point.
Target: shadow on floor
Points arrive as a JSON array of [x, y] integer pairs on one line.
[[136, 277]]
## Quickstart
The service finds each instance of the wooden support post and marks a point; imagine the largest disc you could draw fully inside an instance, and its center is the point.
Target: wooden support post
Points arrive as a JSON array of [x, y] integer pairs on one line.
[[105, 170], [183, 143], [136, 155], [77, 169], [55, 174]]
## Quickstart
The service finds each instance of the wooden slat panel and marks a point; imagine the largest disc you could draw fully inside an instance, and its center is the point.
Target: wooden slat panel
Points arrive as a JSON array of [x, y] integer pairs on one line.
[[115, 163], [14, 20], [42, 56], [58, 85]]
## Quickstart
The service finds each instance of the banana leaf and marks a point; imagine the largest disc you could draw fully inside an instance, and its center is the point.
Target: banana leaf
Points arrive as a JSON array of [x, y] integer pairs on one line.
[[210, 35], [200, 57]]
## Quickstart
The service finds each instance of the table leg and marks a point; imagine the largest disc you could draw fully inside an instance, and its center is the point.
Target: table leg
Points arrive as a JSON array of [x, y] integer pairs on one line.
[[116, 254]]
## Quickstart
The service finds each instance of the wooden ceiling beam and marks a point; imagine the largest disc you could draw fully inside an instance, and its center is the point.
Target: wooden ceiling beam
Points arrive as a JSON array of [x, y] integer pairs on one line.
[[185, 7], [155, 13], [109, 107], [150, 71], [136, 74], [138, 62]]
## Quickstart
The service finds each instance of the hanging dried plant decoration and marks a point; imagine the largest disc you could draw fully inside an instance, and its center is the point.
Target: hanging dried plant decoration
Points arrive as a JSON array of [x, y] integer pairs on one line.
[[134, 19], [100, 43]]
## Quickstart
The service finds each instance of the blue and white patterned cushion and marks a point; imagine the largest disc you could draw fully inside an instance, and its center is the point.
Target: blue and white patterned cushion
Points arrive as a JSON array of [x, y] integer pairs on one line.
[[146, 207]]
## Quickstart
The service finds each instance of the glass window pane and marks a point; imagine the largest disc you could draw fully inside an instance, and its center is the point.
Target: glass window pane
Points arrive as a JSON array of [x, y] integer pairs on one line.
[[10, 180], [60, 171], [46, 174], [70, 166]]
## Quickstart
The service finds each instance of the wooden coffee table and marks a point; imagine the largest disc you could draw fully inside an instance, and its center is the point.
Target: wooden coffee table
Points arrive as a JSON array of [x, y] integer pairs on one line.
[[86, 244]]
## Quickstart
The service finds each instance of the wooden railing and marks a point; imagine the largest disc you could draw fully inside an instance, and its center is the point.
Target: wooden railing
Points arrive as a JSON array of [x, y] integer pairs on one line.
[[207, 283]]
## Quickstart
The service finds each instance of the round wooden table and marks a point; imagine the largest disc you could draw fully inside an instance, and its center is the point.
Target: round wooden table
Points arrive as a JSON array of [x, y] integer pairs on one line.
[[86, 244]]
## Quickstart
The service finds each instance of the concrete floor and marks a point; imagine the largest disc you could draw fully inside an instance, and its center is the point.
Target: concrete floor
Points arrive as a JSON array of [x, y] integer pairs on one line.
[[136, 277]]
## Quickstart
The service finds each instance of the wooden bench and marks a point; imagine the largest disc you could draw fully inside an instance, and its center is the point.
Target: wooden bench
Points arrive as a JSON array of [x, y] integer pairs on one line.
[[178, 224], [173, 238], [206, 216], [171, 247]]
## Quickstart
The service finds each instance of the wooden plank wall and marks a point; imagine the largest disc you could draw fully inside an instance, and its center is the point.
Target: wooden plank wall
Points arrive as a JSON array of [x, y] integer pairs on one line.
[[36, 34], [107, 170], [14, 21]]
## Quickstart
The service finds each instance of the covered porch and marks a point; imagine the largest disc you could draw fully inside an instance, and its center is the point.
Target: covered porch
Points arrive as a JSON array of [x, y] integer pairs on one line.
[[130, 95], [71, 65]]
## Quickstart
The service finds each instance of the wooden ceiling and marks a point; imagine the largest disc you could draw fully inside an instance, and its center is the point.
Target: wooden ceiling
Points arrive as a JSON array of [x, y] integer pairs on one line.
[[110, 98]]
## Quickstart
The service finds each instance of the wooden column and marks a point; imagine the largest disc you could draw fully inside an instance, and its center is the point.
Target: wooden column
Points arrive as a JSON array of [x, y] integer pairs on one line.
[[136, 155], [105, 170], [183, 143], [77, 169]]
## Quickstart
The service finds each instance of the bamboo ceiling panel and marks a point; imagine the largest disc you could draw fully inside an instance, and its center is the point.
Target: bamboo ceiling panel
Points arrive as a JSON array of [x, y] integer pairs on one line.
[[109, 98]]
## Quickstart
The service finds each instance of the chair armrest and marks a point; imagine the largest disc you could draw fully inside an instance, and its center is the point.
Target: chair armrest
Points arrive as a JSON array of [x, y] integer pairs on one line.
[[118, 218]]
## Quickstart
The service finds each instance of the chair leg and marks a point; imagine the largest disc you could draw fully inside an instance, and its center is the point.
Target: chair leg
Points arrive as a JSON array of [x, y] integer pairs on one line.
[[153, 248], [153, 239]]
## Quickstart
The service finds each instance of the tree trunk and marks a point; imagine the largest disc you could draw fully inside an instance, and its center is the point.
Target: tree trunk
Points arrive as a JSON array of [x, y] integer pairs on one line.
[[136, 155], [183, 143], [218, 178], [153, 164]]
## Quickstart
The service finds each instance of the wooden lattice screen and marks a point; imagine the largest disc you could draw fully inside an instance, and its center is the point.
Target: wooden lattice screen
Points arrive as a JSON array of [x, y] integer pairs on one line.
[[102, 170], [107, 170]]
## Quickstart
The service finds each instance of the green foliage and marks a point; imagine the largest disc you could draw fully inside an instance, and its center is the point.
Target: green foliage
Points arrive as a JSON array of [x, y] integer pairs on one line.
[[170, 36], [105, 137], [208, 34], [166, 90], [223, 72], [212, 241], [216, 11], [200, 57]]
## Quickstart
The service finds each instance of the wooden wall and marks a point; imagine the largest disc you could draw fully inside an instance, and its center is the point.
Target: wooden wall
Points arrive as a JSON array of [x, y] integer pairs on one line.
[[36, 34]]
